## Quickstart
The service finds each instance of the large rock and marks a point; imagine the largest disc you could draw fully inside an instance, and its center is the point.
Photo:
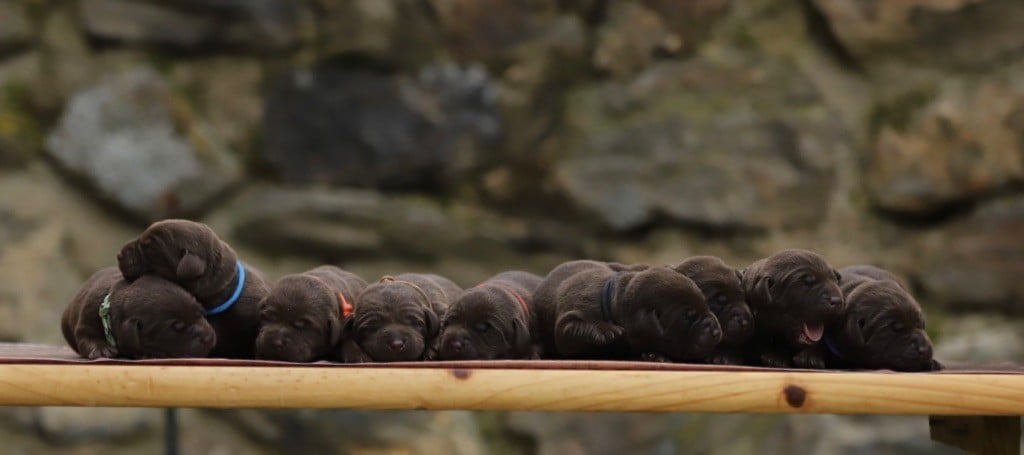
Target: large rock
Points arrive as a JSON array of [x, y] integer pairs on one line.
[[250, 25], [400, 33], [366, 129], [977, 262], [352, 224], [933, 150], [493, 31], [141, 147], [724, 141], [963, 34]]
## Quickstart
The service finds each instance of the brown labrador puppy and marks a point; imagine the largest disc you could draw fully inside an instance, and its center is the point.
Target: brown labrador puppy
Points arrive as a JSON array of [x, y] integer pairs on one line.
[[397, 318], [585, 309], [793, 294], [723, 291], [492, 320], [150, 317], [191, 255], [882, 326], [302, 316]]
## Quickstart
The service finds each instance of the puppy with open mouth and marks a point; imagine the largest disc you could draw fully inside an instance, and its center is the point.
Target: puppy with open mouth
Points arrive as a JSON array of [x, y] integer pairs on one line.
[[397, 318], [882, 326], [191, 255], [587, 309], [794, 295], [302, 316], [148, 318], [492, 320], [723, 291]]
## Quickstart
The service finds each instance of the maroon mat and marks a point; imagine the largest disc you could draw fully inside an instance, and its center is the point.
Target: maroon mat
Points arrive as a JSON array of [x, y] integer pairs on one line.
[[40, 354]]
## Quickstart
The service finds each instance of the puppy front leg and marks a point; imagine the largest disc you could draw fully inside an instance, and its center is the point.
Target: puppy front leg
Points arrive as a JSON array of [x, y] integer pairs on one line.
[[811, 358], [350, 352], [726, 356], [574, 335]]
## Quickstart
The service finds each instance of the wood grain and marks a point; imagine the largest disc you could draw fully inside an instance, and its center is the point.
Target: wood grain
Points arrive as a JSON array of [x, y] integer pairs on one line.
[[500, 389]]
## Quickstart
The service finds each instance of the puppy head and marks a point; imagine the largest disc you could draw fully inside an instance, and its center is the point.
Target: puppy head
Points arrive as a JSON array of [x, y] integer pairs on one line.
[[668, 315], [723, 292], [153, 317], [183, 251], [793, 295], [300, 320], [485, 323], [885, 324], [392, 322]]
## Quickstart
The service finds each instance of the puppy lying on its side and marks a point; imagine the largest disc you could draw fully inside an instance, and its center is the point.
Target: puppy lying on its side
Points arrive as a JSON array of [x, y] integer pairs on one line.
[[585, 309], [191, 255], [882, 326], [492, 320], [793, 294], [302, 316], [723, 291], [397, 318], [149, 318]]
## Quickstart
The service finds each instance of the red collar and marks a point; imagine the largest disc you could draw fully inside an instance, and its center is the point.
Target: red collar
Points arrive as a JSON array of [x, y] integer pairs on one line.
[[522, 301], [346, 308]]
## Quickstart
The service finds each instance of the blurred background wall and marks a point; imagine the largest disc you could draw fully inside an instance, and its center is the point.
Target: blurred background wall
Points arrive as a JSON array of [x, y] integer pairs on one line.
[[468, 137]]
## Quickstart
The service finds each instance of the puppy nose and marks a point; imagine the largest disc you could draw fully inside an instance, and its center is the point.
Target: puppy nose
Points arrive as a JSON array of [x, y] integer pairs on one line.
[[742, 321], [834, 300], [279, 342], [712, 327], [456, 345], [397, 344], [924, 349]]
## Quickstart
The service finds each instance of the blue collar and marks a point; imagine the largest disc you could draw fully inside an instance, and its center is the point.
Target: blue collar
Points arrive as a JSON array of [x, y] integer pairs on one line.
[[605, 299], [234, 297]]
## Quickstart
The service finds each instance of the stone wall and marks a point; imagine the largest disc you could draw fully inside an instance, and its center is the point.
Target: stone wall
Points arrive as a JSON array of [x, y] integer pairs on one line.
[[473, 136]]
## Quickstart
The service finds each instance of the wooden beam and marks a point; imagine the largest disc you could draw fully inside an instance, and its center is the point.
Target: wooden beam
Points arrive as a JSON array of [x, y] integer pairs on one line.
[[510, 389], [987, 435]]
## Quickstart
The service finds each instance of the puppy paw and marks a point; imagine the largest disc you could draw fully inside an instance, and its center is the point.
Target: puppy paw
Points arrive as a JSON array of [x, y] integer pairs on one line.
[[810, 359], [103, 351], [774, 360], [654, 357], [935, 366], [606, 333], [725, 358]]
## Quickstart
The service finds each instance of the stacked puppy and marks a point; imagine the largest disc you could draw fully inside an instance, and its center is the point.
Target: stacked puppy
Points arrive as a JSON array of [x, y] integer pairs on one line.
[[179, 291]]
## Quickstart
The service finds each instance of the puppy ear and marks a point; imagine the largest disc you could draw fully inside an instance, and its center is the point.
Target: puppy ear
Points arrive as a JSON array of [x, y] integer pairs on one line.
[[764, 287], [131, 262], [190, 267], [838, 277], [129, 337], [521, 336], [334, 326], [347, 327], [855, 328], [739, 274], [433, 325]]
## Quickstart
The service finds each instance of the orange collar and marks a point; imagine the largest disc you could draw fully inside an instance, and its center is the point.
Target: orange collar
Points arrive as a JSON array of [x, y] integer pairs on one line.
[[346, 308], [522, 301]]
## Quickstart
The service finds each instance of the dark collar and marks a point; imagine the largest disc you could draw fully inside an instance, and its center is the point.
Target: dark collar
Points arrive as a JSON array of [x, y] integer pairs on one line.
[[605, 299]]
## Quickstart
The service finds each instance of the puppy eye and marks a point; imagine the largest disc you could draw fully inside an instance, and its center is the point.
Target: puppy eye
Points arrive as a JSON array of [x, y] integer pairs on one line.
[[809, 279], [415, 322], [482, 327], [860, 323], [722, 298], [300, 324], [897, 327], [178, 326], [690, 314]]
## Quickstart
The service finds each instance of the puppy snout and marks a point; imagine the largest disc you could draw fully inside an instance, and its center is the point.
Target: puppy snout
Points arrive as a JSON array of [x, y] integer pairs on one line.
[[397, 344], [456, 345], [833, 300], [279, 342], [711, 327]]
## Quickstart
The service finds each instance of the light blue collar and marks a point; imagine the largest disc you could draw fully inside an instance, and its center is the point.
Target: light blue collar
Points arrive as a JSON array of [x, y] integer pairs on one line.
[[234, 297], [105, 318]]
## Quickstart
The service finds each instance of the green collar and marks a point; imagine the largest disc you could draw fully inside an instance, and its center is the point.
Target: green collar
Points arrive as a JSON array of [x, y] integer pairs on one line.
[[105, 317]]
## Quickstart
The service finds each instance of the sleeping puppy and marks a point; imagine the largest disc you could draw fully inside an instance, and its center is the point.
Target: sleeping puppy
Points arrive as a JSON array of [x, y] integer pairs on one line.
[[191, 255], [492, 320], [150, 317], [302, 316], [882, 326], [585, 309], [397, 318], [793, 295], [723, 292]]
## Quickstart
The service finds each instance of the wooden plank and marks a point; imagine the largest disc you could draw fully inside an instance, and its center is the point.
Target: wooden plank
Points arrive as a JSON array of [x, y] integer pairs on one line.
[[978, 434], [511, 389]]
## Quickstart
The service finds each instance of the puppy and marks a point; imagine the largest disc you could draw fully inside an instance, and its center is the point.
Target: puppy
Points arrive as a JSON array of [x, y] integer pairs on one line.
[[882, 326], [492, 320], [397, 318], [722, 288], [793, 295], [191, 255], [585, 309], [302, 316], [150, 317]]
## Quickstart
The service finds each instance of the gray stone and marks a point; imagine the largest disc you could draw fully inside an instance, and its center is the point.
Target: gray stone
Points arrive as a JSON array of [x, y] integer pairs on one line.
[[976, 262], [141, 147], [723, 141], [353, 224], [937, 148], [366, 129], [253, 25], [493, 31], [962, 34], [402, 33], [628, 41], [980, 339]]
